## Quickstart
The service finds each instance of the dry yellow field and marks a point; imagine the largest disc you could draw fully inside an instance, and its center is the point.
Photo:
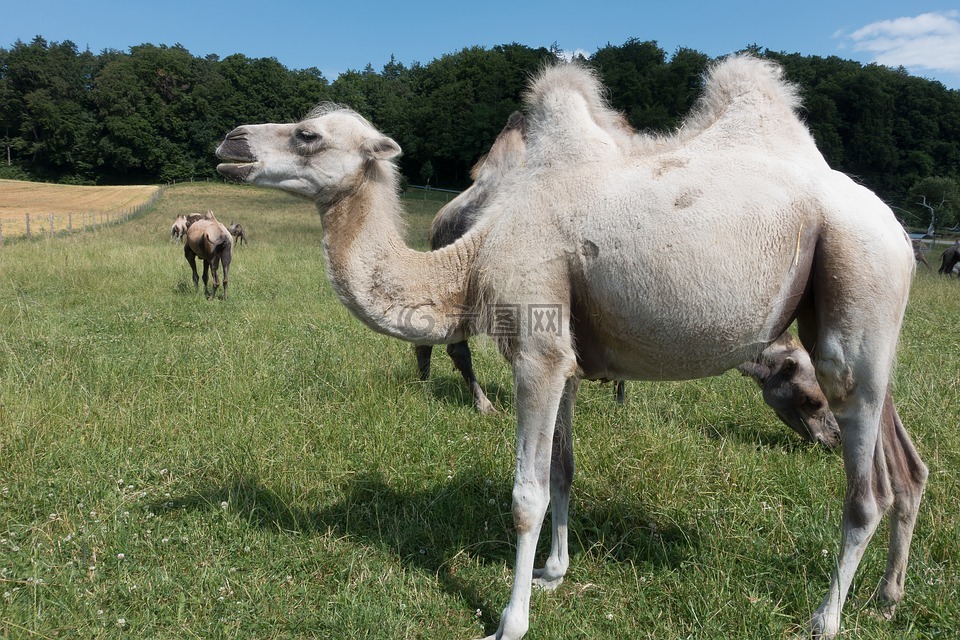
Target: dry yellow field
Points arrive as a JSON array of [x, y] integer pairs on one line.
[[71, 206]]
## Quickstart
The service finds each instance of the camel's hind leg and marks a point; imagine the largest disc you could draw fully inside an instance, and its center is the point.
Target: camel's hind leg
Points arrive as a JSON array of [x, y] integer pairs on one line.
[[206, 277], [215, 271], [215, 268], [908, 476], [423, 353], [225, 258], [460, 354], [856, 330]]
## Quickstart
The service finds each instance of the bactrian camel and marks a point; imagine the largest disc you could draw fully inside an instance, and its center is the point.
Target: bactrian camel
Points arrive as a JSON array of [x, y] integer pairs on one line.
[[236, 230], [179, 228], [592, 264], [783, 370], [949, 259], [208, 239]]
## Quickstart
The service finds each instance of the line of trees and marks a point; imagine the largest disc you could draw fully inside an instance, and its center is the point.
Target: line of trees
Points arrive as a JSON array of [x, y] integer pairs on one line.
[[155, 113]]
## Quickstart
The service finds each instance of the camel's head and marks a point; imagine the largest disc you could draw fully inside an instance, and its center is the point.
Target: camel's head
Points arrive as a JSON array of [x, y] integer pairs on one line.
[[787, 377], [505, 156], [323, 156]]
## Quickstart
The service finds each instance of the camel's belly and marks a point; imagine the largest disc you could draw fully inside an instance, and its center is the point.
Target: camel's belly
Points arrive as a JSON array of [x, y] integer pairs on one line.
[[664, 307]]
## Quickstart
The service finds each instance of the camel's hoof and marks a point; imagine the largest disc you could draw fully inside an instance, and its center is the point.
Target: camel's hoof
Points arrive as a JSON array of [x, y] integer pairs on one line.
[[885, 611], [487, 409], [820, 630], [546, 585], [888, 611]]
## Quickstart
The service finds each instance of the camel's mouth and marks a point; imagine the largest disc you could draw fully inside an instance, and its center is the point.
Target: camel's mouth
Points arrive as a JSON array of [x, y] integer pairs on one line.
[[235, 171], [240, 159]]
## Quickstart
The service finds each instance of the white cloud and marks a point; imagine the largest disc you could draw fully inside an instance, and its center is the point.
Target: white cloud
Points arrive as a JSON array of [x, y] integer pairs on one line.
[[930, 41], [570, 55]]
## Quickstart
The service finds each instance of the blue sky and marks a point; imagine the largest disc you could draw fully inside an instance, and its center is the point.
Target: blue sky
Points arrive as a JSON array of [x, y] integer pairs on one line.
[[922, 36]]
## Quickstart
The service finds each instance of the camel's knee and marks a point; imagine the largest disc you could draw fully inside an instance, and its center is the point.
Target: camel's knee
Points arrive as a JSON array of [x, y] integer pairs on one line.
[[530, 500], [864, 509]]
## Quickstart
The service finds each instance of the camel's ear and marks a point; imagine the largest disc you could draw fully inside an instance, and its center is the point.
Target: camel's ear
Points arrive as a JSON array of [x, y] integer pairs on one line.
[[756, 370], [382, 148], [789, 365]]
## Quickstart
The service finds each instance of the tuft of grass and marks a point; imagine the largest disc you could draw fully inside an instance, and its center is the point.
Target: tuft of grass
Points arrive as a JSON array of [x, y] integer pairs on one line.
[[265, 466]]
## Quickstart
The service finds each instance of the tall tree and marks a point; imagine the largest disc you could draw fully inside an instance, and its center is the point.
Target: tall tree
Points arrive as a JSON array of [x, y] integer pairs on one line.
[[47, 103]]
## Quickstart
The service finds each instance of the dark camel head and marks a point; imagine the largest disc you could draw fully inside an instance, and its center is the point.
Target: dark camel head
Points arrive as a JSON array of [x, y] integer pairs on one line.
[[787, 377]]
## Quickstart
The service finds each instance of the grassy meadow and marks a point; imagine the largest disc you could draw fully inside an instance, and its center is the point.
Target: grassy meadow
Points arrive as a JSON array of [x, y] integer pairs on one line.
[[266, 467]]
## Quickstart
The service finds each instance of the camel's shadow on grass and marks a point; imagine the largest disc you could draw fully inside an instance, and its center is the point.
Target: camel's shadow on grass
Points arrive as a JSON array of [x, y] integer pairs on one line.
[[434, 529], [766, 435]]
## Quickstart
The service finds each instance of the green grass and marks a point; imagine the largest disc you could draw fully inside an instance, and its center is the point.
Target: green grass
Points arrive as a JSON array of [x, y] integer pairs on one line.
[[264, 466]]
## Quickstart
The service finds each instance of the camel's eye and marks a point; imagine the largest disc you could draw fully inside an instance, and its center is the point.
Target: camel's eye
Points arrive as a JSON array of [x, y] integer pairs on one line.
[[308, 137]]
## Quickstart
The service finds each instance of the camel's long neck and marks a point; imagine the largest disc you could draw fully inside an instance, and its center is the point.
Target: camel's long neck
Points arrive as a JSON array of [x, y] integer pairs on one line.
[[411, 295]]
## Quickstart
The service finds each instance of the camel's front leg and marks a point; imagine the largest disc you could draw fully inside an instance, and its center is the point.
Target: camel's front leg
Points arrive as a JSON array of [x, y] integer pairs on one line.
[[539, 387], [561, 480]]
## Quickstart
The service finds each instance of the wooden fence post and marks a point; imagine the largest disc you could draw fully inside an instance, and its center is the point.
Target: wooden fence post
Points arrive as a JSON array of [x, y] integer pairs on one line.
[[51, 225], [28, 226]]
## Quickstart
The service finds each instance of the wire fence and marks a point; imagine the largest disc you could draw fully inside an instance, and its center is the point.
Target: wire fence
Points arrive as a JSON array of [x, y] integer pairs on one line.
[[33, 226], [434, 193]]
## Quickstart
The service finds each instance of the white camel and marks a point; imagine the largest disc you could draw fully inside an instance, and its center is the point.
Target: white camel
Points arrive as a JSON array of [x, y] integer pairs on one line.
[[179, 228], [592, 264], [783, 370]]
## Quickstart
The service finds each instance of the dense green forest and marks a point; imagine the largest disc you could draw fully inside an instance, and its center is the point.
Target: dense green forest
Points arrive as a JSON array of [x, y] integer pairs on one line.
[[156, 113]]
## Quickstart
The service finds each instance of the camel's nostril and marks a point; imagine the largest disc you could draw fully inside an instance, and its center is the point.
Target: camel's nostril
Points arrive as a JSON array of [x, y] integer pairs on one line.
[[237, 134]]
